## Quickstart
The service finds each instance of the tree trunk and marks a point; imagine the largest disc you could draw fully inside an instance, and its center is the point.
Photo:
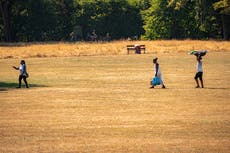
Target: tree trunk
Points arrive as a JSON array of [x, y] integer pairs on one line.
[[5, 11], [226, 25]]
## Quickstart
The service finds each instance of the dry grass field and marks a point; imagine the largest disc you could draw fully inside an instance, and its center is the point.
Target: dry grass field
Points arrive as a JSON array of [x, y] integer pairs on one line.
[[103, 104], [62, 49]]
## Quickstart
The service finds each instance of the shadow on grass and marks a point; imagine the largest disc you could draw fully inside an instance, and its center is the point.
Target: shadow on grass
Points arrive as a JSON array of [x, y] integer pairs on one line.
[[216, 88], [23, 44], [4, 86], [14, 44]]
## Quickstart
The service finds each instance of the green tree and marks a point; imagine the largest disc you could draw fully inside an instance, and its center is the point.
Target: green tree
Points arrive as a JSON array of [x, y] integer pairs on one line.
[[64, 13], [118, 17], [33, 20], [5, 8], [223, 8], [162, 21], [53, 20], [212, 16]]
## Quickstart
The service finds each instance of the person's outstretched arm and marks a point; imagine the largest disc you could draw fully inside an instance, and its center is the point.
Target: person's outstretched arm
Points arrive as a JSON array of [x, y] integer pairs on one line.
[[16, 68]]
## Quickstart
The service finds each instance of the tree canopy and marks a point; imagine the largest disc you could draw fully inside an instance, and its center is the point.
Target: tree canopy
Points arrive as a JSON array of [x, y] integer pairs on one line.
[[55, 20]]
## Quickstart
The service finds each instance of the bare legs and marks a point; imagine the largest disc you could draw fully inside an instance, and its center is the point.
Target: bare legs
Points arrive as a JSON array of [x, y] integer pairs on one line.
[[201, 82]]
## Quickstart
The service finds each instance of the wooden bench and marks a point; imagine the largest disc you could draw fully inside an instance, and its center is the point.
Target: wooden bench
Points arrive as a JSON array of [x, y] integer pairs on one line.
[[132, 48]]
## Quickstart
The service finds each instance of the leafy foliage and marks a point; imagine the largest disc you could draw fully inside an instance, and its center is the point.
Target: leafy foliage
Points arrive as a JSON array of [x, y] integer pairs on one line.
[[54, 20]]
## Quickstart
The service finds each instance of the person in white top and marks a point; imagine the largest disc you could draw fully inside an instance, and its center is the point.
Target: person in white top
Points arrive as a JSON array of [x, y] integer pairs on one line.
[[199, 72], [158, 72], [23, 73]]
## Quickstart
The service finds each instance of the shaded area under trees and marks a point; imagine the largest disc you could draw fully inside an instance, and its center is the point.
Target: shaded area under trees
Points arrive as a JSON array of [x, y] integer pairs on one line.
[[55, 20]]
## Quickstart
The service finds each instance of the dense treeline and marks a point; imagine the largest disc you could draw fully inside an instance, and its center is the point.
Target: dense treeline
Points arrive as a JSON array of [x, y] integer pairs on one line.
[[55, 20]]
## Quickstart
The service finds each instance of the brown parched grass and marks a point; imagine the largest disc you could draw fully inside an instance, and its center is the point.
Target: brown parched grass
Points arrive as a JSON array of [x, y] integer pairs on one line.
[[61, 49], [103, 104]]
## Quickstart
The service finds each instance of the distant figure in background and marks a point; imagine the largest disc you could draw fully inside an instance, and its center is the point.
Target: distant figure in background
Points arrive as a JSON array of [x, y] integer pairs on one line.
[[23, 73], [107, 37], [137, 49], [158, 74], [199, 72], [93, 36], [72, 36]]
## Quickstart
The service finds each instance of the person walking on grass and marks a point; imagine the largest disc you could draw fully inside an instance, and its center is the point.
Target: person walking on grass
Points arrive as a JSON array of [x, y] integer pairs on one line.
[[158, 74], [23, 74], [199, 72]]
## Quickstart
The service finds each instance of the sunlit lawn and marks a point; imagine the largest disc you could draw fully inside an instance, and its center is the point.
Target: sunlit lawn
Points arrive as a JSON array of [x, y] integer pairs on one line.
[[104, 104]]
